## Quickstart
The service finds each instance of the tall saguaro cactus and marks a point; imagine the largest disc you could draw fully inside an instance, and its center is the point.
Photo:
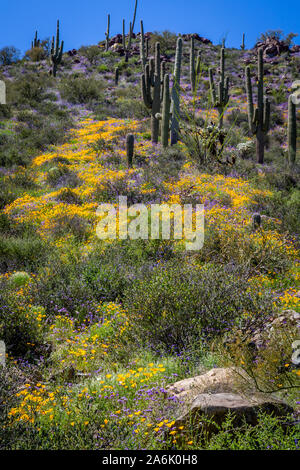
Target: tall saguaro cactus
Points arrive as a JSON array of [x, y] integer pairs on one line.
[[176, 94], [36, 42], [142, 47], [129, 149], [131, 28], [56, 51], [107, 33], [292, 131], [192, 65], [165, 115], [220, 98], [151, 86], [243, 42], [259, 119]]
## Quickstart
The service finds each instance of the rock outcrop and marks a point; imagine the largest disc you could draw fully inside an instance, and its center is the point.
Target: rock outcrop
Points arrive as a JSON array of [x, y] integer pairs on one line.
[[204, 401]]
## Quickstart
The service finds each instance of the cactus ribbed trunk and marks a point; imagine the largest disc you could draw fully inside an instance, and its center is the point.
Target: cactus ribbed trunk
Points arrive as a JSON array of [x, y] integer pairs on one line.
[[260, 145], [192, 65], [107, 33], [292, 131], [129, 149], [165, 124], [142, 47]]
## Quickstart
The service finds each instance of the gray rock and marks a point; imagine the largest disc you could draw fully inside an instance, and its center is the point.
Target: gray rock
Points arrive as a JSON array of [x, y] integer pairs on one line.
[[218, 380], [208, 411]]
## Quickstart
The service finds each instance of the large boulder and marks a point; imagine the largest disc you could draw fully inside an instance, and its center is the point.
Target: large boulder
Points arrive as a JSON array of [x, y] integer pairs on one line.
[[208, 411], [294, 49], [188, 37], [204, 401], [218, 380], [272, 47]]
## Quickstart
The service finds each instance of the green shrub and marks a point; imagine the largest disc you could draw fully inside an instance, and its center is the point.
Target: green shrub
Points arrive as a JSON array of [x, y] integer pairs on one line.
[[19, 279], [36, 54], [17, 252], [176, 306], [166, 38], [20, 326], [81, 90]]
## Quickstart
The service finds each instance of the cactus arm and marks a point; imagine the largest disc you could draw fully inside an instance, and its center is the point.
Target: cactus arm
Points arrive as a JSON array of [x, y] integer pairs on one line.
[[176, 93], [145, 92]]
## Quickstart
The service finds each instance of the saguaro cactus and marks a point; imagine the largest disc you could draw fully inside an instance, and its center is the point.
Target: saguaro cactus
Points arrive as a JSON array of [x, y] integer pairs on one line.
[[131, 28], [151, 86], [165, 115], [292, 131], [221, 98], [129, 149], [192, 65], [243, 42], [259, 120], [36, 42], [107, 33], [56, 51], [117, 74], [176, 93], [198, 64], [142, 47]]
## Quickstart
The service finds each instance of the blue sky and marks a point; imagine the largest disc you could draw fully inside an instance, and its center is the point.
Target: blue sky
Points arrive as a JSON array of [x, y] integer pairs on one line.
[[83, 22]]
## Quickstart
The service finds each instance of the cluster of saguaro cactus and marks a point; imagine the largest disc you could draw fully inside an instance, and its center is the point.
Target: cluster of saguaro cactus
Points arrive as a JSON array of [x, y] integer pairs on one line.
[[195, 66], [243, 42], [292, 131], [170, 114], [151, 90], [36, 42], [56, 51], [107, 33], [220, 98], [259, 119]]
